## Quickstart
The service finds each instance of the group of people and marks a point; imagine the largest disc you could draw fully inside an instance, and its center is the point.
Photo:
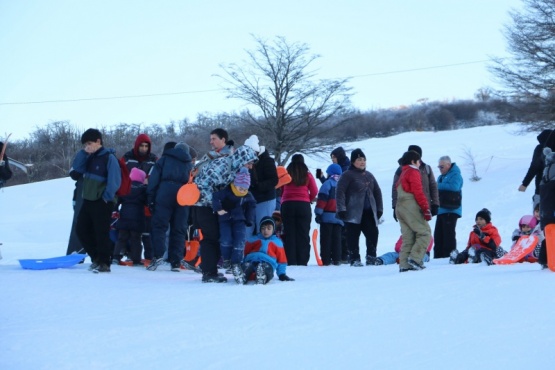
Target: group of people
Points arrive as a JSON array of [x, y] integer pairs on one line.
[[240, 197]]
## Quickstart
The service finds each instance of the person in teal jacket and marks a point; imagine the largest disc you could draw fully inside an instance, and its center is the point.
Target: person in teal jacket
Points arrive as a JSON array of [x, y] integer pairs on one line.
[[449, 185]]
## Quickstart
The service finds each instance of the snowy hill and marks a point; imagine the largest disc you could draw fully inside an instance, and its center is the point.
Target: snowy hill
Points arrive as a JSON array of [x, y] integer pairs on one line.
[[445, 317]]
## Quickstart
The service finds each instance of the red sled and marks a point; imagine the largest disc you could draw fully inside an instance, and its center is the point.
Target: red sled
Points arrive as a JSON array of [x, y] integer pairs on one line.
[[315, 247], [524, 245], [550, 245]]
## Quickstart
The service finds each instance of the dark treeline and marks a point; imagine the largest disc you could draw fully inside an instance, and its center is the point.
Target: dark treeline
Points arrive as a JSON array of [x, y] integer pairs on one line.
[[50, 149]]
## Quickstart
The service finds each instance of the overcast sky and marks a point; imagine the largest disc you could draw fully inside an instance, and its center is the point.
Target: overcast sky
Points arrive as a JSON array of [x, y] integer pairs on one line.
[[70, 50]]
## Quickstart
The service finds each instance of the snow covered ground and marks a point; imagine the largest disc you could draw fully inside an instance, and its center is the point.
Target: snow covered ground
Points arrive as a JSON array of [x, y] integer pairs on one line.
[[445, 317]]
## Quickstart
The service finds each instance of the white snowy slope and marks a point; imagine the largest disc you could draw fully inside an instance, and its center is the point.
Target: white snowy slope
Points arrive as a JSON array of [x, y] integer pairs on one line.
[[445, 317]]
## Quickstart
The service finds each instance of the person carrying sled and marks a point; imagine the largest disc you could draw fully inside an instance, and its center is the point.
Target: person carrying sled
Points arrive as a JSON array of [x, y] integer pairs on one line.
[[235, 207], [169, 173], [330, 226], [264, 255], [483, 242]]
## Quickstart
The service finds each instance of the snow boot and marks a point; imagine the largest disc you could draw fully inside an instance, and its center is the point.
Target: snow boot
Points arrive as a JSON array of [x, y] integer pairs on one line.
[[453, 256], [356, 263], [210, 278], [154, 263], [101, 267], [238, 273], [415, 265], [472, 258], [261, 277]]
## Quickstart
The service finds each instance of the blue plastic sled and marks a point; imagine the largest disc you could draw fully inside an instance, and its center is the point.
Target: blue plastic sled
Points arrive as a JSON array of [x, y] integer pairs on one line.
[[52, 263]]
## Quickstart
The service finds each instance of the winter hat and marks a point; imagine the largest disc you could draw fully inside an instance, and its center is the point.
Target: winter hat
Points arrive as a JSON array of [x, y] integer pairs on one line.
[[267, 220], [357, 153], [485, 214], [168, 145], [91, 134], [334, 169], [339, 153], [549, 156], [193, 152], [242, 179], [252, 142], [182, 146], [415, 148], [137, 175], [528, 220]]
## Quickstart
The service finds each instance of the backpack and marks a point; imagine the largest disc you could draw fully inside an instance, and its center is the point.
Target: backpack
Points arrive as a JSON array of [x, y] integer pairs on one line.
[[125, 184]]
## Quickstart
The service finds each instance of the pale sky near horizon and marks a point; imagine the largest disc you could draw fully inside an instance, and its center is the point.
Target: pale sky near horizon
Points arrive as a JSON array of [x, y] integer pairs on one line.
[[69, 50]]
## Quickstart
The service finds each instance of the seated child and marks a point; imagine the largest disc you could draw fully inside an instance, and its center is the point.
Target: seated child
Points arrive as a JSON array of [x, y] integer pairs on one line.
[[527, 226], [393, 257], [235, 207], [483, 242], [264, 254]]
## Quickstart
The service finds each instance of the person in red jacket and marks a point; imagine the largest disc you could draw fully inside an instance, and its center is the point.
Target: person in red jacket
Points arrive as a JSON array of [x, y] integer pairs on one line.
[[413, 212], [483, 242]]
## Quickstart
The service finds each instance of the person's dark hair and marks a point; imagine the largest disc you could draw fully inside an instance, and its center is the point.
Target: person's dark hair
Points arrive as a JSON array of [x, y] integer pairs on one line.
[[298, 170], [409, 157], [91, 134], [221, 133]]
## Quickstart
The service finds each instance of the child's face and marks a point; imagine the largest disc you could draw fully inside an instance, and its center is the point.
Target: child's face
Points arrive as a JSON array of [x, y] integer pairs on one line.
[[537, 214], [267, 230], [525, 229], [480, 222]]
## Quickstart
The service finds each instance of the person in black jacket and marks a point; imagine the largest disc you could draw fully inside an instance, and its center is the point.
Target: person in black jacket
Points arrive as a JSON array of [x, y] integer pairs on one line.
[[166, 178], [5, 171], [131, 221], [264, 179], [545, 139]]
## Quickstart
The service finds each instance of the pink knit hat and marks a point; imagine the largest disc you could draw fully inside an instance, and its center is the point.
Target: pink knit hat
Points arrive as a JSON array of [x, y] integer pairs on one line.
[[137, 175]]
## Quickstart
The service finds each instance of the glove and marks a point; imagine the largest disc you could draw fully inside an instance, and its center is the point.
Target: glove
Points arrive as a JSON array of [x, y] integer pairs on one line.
[[478, 232], [318, 218], [427, 215], [342, 215], [151, 208], [379, 214], [284, 277], [435, 209], [115, 215], [394, 215], [227, 205], [515, 238]]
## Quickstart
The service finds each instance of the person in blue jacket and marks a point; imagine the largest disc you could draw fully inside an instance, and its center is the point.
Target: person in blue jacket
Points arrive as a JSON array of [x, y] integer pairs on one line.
[[167, 176], [449, 185], [330, 226], [99, 168]]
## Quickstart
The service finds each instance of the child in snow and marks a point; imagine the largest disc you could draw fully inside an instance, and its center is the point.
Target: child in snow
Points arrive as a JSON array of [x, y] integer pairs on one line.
[[131, 221], [278, 223], [330, 226], [483, 243], [393, 257], [235, 207], [264, 254], [527, 226]]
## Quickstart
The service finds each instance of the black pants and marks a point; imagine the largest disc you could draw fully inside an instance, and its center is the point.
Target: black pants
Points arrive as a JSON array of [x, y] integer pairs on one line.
[[542, 258], [93, 229], [445, 236], [206, 220], [330, 242], [131, 239], [296, 218], [370, 230]]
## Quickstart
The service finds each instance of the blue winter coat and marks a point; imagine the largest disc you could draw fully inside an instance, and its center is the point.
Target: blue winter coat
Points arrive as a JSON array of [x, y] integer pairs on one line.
[[101, 174], [237, 208], [451, 181], [169, 173], [132, 212], [326, 204]]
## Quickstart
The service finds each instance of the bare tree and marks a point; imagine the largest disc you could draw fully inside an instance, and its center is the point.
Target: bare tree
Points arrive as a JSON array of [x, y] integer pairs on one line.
[[293, 106], [530, 73]]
